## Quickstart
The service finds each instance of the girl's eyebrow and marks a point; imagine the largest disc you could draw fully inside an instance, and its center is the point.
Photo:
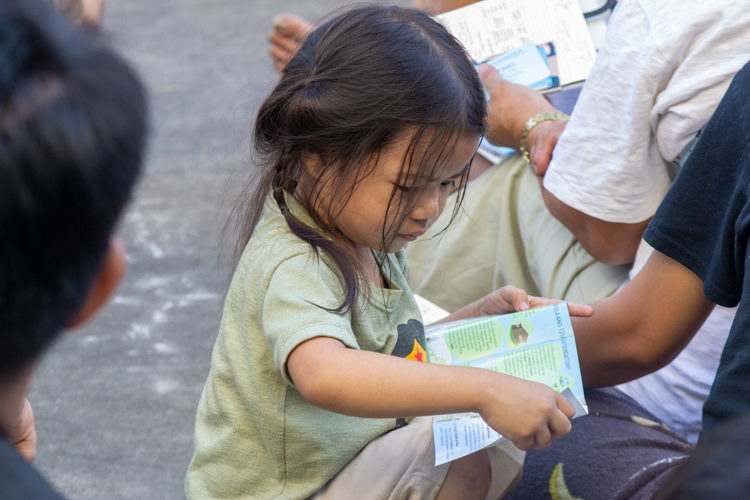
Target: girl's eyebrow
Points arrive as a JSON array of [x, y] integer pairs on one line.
[[459, 174], [462, 172], [412, 176]]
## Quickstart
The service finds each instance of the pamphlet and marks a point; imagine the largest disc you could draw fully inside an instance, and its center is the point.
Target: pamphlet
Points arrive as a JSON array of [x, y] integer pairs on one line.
[[526, 65], [493, 27], [537, 345]]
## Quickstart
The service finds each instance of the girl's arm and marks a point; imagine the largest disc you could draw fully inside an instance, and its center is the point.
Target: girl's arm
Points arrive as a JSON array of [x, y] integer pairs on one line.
[[373, 385], [509, 299]]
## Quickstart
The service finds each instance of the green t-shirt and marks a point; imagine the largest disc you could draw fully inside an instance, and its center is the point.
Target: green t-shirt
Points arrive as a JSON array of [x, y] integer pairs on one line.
[[255, 435]]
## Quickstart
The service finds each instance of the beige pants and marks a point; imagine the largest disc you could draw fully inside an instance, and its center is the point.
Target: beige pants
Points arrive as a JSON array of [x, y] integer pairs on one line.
[[504, 235], [400, 465]]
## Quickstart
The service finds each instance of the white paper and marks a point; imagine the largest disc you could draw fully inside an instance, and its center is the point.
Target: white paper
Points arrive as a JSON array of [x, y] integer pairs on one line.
[[537, 345], [493, 27], [524, 65], [431, 313], [466, 433]]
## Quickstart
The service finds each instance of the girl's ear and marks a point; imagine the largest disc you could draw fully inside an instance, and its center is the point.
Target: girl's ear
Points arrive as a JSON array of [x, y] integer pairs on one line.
[[109, 277], [311, 164]]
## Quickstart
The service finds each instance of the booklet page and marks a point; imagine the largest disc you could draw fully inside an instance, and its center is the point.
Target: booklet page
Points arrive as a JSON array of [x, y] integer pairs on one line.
[[493, 27], [536, 345]]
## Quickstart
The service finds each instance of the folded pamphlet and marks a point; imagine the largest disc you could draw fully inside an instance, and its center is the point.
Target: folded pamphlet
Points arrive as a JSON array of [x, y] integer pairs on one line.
[[491, 28], [527, 65], [537, 345]]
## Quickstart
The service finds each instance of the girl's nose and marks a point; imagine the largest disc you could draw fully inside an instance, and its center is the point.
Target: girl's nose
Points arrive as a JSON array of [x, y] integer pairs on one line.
[[428, 207]]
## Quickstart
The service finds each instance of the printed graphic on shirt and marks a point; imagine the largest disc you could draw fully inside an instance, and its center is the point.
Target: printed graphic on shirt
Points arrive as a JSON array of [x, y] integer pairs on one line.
[[410, 345], [411, 342]]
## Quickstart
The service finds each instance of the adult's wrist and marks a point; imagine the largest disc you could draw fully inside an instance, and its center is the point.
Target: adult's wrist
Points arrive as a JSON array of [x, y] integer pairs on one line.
[[532, 124]]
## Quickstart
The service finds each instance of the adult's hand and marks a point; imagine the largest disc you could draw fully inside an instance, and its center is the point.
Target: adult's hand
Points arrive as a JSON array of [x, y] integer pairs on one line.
[[511, 105], [541, 141], [23, 433]]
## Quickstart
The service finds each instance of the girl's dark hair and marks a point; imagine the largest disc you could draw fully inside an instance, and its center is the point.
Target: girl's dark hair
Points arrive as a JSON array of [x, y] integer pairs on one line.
[[364, 80]]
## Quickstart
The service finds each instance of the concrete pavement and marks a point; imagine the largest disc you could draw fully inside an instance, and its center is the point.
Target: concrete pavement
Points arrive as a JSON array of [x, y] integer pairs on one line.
[[115, 402]]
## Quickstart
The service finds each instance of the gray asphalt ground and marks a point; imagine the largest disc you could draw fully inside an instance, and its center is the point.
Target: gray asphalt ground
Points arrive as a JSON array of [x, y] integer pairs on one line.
[[115, 401]]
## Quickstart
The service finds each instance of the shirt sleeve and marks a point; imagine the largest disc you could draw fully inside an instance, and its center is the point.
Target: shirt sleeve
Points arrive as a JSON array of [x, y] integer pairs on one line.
[[697, 223], [658, 77], [607, 163], [294, 308]]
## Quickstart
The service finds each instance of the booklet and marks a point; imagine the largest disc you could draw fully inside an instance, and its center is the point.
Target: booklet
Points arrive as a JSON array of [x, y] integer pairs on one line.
[[492, 28], [527, 65], [537, 345]]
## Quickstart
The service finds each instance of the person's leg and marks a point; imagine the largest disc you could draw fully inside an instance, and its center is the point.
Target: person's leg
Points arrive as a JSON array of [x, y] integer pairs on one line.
[[400, 465], [468, 477], [618, 451], [504, 235], [559, 265]]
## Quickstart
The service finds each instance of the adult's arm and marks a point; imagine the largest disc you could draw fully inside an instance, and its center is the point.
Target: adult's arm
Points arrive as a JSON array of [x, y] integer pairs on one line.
[[510, 107], [644, 326], [608, 242]]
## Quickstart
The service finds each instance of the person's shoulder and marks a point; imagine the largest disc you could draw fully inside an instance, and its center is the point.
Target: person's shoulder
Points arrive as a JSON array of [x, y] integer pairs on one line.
[[272, 241], [19, 480], [676, 20], [274, 249]]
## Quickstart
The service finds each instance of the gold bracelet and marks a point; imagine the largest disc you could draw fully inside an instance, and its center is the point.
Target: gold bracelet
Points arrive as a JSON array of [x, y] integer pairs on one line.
[[533, 122]]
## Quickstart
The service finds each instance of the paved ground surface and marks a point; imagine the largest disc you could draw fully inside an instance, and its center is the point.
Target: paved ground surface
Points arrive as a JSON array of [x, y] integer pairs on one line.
[[115, 402]]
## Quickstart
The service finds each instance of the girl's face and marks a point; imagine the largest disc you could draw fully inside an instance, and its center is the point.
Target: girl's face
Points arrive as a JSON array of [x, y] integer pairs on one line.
[[367, 212]]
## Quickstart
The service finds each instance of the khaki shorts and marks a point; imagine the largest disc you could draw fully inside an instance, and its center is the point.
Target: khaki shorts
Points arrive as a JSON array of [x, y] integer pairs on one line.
[[399, 465]]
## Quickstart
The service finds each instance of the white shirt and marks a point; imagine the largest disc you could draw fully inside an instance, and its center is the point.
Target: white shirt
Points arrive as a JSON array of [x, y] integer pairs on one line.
[[661, 71]]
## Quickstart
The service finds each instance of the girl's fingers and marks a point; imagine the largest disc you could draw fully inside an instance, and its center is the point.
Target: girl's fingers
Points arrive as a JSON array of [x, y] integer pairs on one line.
[[559, 424], [565, 406], [580, 310], [524, 444], [573, 309], [518, 298], [542, 439]]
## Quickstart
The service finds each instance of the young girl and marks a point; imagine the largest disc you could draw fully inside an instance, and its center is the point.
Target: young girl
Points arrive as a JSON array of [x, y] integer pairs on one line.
[[373, 124]]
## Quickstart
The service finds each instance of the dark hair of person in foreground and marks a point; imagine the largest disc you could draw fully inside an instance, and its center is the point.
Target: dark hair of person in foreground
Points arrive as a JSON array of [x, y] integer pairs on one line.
[[72, 134], [362, 81], [718, 469]]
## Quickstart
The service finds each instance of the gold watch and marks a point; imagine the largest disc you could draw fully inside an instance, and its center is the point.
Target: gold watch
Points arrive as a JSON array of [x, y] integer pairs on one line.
[[533, 122]]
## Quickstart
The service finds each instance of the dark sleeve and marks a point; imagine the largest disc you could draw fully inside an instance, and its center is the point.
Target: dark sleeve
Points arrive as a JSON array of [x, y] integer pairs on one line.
[[19, 480], [696, 223]]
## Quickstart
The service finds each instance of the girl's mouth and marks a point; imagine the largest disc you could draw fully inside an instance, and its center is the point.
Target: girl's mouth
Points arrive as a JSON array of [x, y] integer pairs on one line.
[[411, 236]]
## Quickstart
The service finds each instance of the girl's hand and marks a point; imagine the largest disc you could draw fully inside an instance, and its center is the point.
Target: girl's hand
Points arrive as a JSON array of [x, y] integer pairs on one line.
[[509, 299], [529, 414]]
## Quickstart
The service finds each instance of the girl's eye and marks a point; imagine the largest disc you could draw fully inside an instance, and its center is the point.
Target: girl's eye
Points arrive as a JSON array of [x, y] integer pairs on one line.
[[406, 189], [450, 183]]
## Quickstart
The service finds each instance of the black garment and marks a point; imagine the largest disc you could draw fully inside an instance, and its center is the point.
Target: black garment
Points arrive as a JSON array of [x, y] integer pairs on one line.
[[19, 480], [619, 451], [704, 223]]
